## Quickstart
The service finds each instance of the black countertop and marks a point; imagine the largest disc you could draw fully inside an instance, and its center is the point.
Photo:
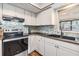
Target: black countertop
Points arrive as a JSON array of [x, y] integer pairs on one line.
[[56, 37]]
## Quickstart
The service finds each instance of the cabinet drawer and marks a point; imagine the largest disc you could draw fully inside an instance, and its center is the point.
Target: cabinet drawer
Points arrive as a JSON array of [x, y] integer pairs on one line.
[[52, 41], [63, 51], [70, 46]]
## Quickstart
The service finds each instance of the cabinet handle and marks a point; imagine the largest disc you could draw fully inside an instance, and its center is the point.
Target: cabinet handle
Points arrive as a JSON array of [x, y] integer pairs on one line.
[[57, 46], [50, 43]]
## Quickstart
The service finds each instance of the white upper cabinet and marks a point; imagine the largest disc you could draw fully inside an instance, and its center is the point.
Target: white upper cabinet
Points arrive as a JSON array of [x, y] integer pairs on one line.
[[30, 18], [0, 11], [19, 12], [46, 17], [27, 18], [8, 9], [33, 19], [13, 11]]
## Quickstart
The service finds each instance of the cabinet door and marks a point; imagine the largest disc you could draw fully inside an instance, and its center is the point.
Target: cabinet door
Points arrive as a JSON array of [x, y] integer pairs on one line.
[[27, 18], [33, 19], [50, 49], [8, 9], [19, 12], [67, 49], [41, 46], [0, 48], [38, 20], [0, 11], [46, 17], [32, 43], [40, 43], [38, 38], [70, 46], [63, 51], [29, 45], [42, 18]]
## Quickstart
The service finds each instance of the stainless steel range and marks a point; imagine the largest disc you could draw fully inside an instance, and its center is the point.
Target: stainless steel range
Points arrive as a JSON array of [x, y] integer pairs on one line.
[[15, 40]]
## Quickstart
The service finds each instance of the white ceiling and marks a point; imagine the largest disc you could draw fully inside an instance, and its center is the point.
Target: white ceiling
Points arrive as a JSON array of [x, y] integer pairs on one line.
[[26, 6], [41, 5], [37, 7]]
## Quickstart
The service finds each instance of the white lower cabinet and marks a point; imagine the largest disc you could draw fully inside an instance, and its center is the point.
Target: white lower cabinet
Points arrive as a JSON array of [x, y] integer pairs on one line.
[[40, 44], [63, 51], [0, 48], [36, 42], [59, 48], [32, 43], [52, 47]]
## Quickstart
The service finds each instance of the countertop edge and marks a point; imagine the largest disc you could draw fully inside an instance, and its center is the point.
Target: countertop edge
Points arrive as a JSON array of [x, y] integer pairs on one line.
[[59, 39]]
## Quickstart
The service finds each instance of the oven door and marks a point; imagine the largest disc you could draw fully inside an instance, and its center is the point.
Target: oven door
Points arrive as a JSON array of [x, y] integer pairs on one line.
[[15, 47]]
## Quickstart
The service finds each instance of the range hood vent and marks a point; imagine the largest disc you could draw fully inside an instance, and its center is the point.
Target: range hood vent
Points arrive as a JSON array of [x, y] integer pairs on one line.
[[11, 18]]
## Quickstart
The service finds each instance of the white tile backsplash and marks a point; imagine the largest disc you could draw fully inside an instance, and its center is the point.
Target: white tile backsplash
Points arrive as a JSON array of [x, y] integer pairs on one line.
[[46, 29], [52, 30], [43, 29]]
